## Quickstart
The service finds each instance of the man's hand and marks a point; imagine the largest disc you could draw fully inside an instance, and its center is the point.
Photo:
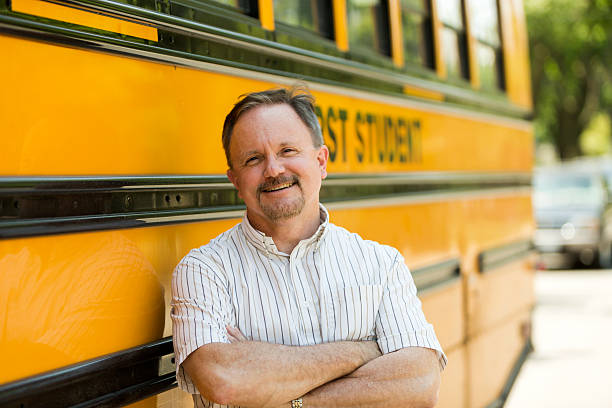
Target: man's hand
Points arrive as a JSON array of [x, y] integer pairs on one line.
[[235, 335], [409, 377], [370, 350]]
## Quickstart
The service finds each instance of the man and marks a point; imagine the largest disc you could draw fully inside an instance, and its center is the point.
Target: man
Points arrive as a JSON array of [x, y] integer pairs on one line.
[[286, 309]]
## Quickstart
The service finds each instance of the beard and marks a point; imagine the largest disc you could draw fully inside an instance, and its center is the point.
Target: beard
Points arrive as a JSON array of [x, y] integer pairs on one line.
[[284, 208]]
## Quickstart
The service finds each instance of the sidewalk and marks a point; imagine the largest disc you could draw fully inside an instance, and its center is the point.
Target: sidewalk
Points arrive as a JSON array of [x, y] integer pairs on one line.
[[572, 335]]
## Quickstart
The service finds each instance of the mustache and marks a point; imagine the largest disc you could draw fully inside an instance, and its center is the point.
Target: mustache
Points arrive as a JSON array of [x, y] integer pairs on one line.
[[273, 182]]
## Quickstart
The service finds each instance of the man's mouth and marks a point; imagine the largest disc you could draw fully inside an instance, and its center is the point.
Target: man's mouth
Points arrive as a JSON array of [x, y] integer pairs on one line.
[[278, 187], [278, 184]]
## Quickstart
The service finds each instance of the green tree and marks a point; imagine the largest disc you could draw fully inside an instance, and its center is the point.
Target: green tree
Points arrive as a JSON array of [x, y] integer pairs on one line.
[[571, 59]]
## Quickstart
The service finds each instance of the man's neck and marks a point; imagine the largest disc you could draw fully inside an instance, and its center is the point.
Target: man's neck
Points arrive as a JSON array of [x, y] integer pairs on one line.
[[287, 233]]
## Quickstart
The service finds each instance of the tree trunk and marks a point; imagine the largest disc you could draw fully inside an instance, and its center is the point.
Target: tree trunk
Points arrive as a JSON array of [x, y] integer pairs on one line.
[[567, 134]]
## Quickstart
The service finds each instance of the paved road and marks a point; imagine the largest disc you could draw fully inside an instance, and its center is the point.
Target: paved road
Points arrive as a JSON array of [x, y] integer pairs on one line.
[[572, 362]]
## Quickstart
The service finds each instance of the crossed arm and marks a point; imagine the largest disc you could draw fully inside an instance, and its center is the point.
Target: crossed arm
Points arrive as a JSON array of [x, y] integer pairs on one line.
[[340, 374]]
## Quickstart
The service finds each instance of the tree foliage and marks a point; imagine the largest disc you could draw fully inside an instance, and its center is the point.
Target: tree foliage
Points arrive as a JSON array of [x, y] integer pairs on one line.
[[571, 59]]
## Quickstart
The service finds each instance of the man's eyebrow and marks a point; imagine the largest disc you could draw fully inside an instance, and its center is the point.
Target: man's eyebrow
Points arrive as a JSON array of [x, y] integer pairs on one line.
[[249, 153]]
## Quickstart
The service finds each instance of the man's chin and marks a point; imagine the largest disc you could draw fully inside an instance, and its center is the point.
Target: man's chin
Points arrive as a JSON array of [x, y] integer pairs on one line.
[[283, 211]]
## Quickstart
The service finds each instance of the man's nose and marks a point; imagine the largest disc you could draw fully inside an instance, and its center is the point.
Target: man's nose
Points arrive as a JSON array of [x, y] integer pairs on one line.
[[274, 167]]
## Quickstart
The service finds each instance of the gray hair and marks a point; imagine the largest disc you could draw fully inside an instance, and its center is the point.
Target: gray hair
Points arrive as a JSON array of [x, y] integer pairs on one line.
[[297, 97]]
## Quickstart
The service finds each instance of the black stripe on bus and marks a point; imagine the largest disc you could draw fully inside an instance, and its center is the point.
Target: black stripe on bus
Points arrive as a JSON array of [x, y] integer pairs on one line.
[[114, 380], [436, 275], [52, 205], [197, 33], [495, 257]]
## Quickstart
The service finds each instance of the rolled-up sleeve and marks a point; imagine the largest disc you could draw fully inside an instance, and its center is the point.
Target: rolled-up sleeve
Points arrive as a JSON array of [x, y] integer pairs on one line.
[[400, 321], [200, 310]]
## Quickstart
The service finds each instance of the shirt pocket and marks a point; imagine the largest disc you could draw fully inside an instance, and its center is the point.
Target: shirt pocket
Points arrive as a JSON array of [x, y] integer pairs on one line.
[[351, 313]]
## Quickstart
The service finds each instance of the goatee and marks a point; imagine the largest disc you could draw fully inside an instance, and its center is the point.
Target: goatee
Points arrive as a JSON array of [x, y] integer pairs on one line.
[[285, 208]]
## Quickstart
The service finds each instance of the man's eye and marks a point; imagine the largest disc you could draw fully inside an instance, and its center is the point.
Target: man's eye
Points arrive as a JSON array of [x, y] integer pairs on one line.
[[288, 150], [250, 160]]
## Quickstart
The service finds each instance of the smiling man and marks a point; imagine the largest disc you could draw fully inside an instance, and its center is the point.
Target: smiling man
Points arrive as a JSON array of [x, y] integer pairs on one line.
[[287, 309]]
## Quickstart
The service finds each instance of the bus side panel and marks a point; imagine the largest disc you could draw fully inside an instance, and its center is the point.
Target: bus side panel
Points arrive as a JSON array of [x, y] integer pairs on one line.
[[499, 300], [401, 226], [491, 357], [495, 222], [80, 109], [500, 294], [454, 386], [444, 308], [69, 298]]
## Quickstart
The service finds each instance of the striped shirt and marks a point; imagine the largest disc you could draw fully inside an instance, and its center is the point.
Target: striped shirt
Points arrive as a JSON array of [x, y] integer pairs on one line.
[[333, 286]]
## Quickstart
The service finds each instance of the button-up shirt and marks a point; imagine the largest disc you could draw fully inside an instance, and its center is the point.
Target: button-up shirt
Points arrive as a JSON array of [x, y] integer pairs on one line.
[[333, 286]]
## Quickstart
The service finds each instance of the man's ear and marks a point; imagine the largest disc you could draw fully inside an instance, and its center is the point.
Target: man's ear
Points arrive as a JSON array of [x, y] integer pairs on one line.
[[322, 158], [232, 178]]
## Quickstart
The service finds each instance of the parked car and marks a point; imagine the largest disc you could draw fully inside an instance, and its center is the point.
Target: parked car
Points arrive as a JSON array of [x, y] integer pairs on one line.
[[573, 216]]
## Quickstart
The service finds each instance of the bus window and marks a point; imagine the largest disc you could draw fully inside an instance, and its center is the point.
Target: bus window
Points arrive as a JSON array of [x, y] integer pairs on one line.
[[454, 38], [368, 25], [248, 7], [313, 15], [418, 32], [484, 20]]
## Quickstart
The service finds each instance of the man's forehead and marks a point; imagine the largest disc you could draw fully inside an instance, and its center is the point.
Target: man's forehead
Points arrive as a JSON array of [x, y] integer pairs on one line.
[[270, 120], [265, 112]]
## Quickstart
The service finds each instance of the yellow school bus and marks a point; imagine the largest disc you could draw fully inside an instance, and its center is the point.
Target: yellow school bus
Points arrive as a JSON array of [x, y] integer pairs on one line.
[[111, 169]]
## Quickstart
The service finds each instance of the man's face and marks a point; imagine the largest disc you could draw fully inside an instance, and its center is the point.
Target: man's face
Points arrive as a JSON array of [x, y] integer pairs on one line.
[[275, 166]]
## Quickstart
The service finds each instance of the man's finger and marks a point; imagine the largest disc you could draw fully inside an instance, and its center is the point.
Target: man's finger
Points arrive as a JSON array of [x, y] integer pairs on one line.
[[236, 334]]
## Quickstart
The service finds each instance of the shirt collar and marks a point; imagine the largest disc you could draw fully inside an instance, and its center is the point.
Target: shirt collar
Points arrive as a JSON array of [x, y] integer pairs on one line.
[[265, 243]]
